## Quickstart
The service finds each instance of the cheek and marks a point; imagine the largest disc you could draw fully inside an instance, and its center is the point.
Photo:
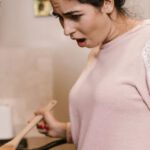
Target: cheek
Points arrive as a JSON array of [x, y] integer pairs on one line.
[[98, 28], [91, 29], [92, 24], [87, 27]]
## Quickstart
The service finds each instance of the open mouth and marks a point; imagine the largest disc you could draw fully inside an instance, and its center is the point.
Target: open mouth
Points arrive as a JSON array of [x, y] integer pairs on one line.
[[81, 40]]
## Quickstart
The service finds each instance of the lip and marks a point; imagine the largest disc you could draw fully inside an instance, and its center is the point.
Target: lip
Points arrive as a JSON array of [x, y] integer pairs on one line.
[[81, 44], [77, 38]]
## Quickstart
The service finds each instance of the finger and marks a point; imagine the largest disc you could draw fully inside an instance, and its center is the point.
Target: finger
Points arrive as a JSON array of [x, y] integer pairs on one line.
[[42, 131], [40, 124], [43, 126], [38, 112], [45, 132]]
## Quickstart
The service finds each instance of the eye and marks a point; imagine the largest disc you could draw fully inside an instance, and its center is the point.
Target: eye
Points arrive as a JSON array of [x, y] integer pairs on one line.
[[75, 17]]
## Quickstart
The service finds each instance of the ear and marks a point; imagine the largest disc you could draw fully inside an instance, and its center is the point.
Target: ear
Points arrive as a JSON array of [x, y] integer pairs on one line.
[[108, 6]]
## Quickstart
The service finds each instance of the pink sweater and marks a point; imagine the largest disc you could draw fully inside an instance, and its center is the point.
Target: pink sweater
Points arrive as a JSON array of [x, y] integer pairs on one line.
[[110, 102]]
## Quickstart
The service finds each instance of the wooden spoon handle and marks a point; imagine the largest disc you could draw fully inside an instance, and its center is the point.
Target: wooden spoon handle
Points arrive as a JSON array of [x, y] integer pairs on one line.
[[35, 120]]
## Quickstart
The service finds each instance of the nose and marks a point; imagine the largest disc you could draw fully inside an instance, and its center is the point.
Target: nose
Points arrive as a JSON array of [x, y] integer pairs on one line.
[[69, 27]]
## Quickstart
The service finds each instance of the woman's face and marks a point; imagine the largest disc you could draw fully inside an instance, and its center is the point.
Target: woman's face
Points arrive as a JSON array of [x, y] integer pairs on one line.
[[84, 23]]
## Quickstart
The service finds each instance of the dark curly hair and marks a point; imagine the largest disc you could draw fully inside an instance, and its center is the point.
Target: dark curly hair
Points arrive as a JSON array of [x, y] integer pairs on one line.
[[97, 3]]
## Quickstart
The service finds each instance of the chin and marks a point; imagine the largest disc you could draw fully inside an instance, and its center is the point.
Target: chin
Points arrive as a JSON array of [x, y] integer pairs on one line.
[[93, 46]]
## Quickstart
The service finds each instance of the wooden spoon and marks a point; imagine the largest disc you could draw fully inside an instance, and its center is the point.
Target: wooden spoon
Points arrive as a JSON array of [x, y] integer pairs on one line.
[[12, 145]]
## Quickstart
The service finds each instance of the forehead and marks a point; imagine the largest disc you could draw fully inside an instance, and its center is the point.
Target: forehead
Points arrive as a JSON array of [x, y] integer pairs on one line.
[[64, 5]]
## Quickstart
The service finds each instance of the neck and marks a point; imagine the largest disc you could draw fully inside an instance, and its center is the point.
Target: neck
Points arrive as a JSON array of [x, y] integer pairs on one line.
[[120, 25]]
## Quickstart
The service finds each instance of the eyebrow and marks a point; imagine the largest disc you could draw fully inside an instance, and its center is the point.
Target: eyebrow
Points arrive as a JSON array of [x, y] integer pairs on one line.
[[67, 13]]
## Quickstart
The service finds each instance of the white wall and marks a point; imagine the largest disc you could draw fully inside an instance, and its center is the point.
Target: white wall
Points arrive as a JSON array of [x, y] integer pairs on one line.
[[25, 81], [20, 27], [139, 8]]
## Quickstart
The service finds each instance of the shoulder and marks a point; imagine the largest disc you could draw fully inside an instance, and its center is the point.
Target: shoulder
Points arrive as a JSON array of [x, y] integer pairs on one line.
[[140, 39], [145, 26], [146, 21], [143, 29]]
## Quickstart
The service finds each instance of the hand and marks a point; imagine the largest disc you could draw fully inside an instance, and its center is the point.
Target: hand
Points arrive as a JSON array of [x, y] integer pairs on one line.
[[43, 128], [49, 125]]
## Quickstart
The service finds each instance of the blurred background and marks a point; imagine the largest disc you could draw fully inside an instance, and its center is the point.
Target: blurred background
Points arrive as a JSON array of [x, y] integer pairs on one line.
[[38, 63]]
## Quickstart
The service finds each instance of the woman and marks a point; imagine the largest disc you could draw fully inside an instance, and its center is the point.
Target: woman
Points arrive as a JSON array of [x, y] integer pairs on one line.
[[110, 102]]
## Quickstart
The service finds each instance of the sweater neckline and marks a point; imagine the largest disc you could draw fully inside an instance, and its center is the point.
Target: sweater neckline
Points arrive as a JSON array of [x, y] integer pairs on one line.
[[122, 36]]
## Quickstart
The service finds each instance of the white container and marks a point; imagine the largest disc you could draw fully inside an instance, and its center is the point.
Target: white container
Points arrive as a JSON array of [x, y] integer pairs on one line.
[[6, 125]]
